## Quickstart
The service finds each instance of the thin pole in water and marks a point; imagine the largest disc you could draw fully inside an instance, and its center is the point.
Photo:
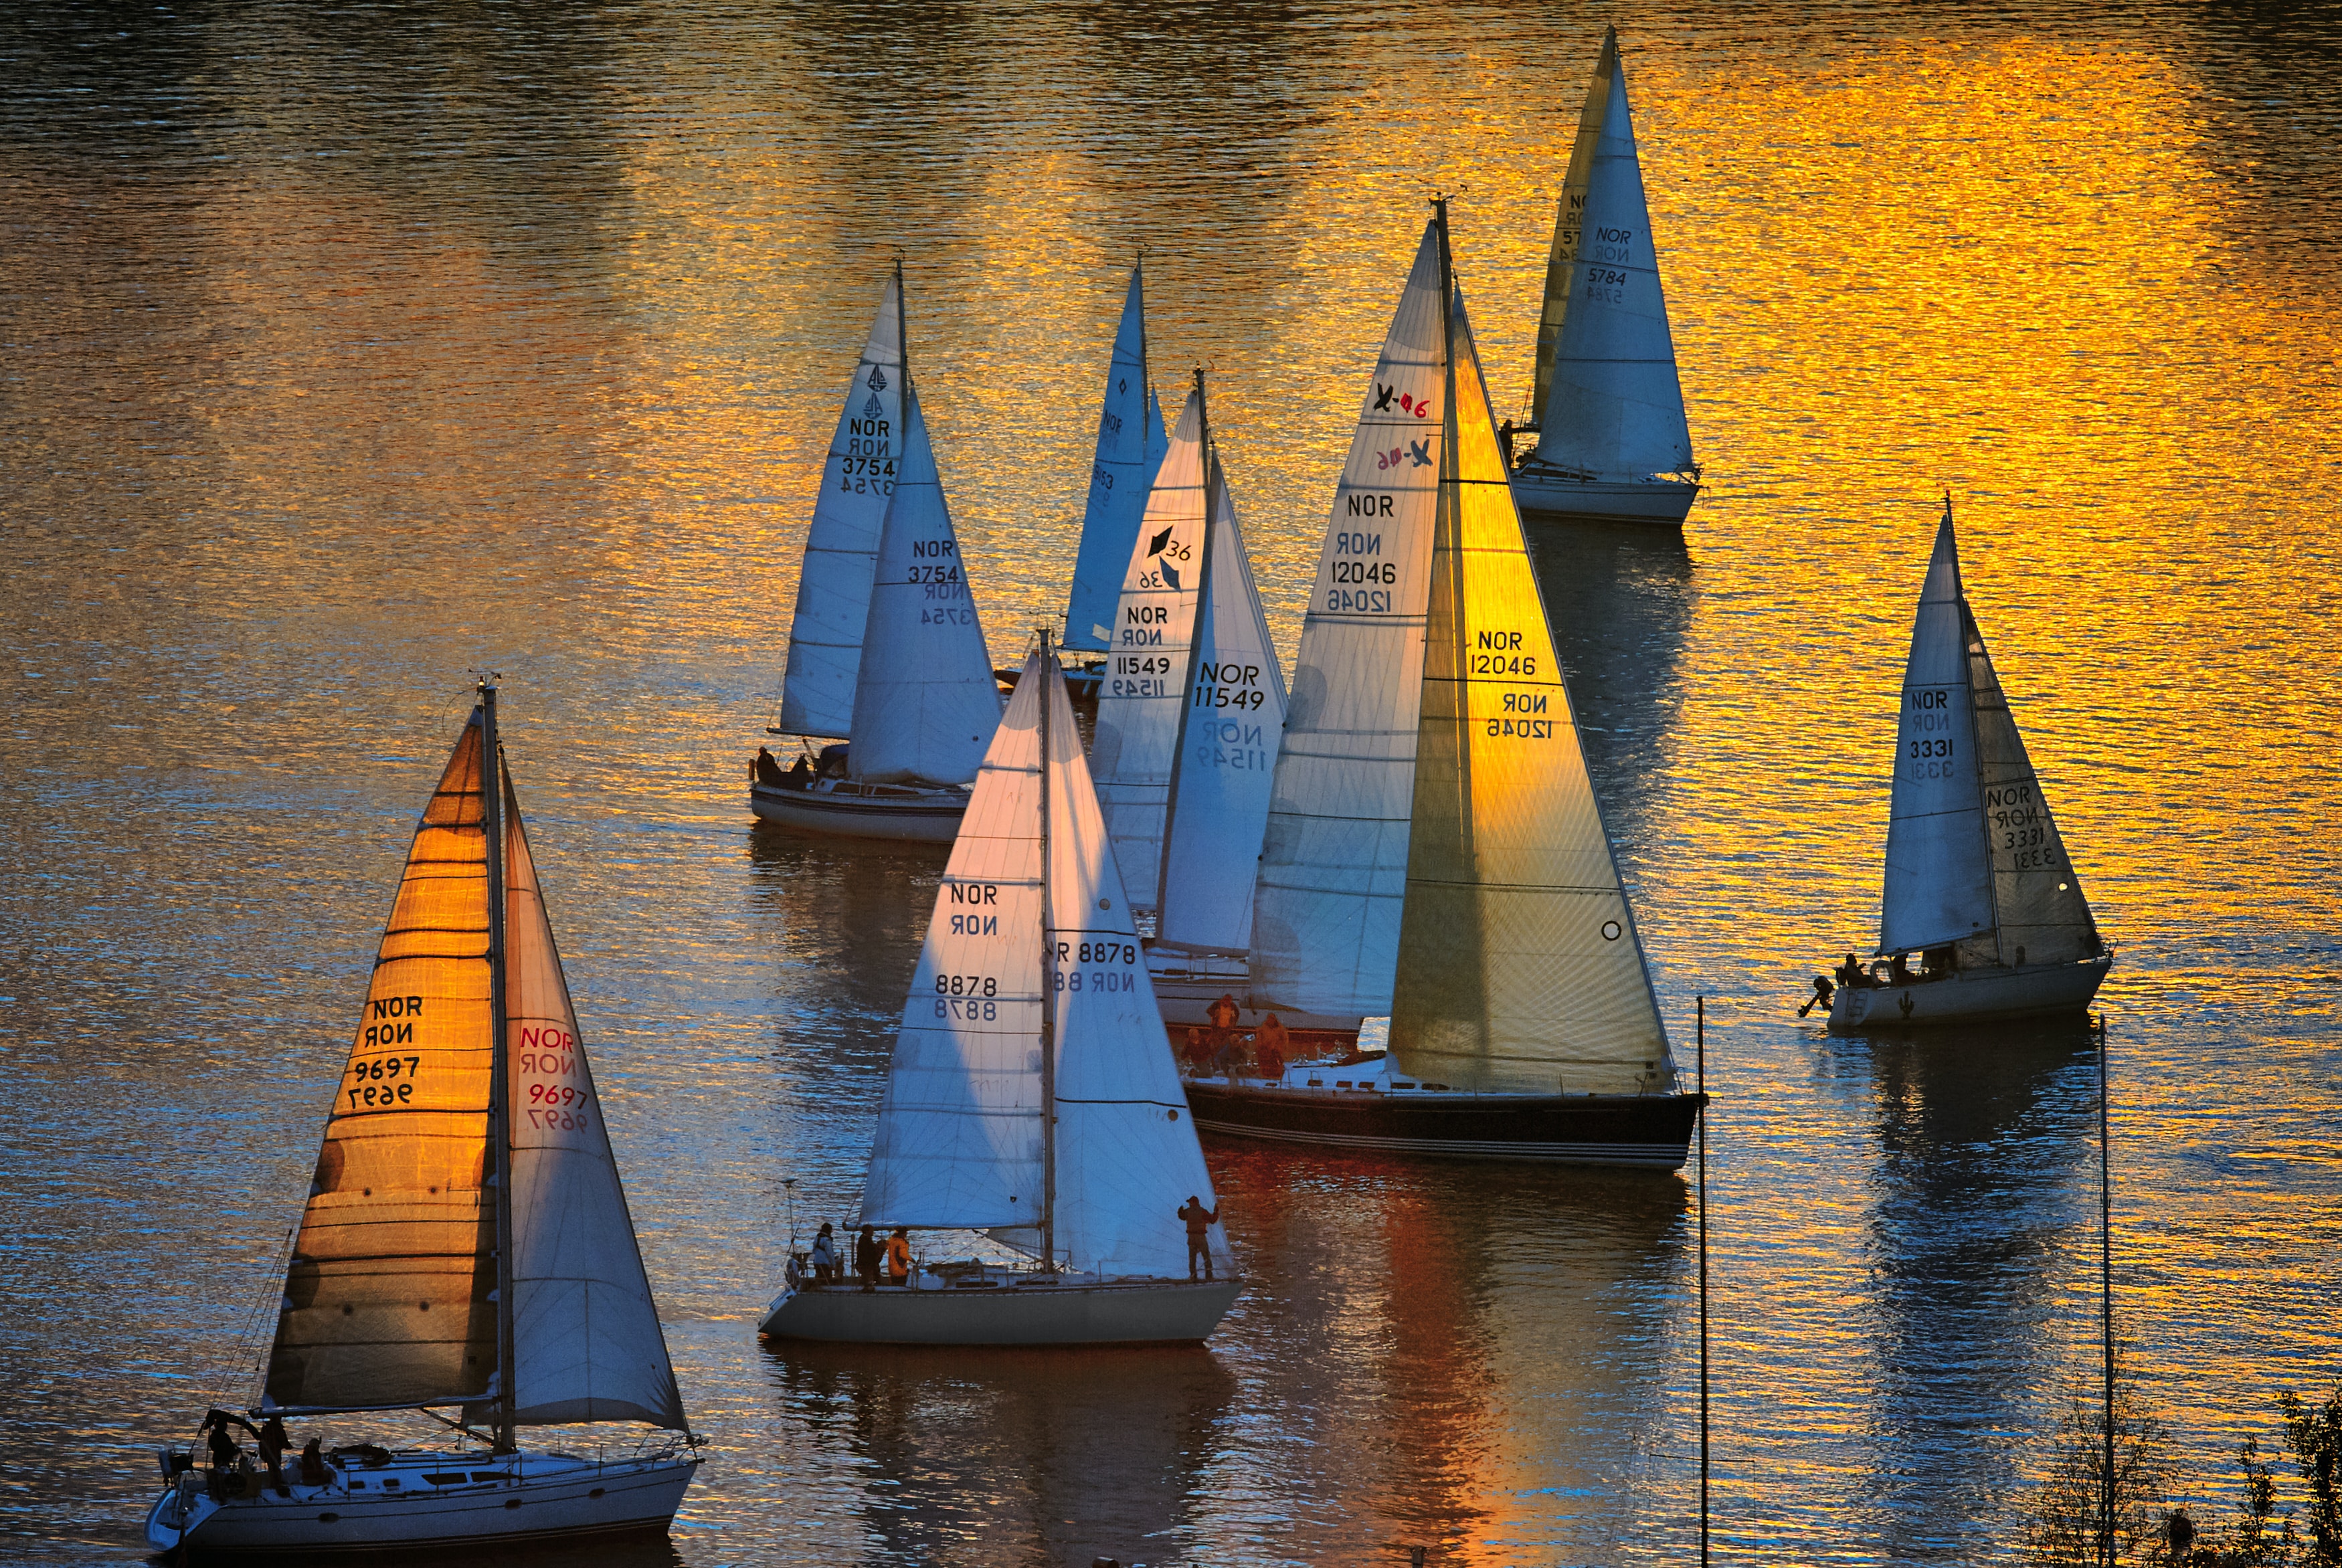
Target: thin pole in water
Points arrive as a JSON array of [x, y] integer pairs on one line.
[[2107, 1296], [1701, 1060]]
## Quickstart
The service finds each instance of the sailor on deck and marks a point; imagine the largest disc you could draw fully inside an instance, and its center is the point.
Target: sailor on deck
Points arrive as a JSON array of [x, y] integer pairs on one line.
[[1200, 1221]]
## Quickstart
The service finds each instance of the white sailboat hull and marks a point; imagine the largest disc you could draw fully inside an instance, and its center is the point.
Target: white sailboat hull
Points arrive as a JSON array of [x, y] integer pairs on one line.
[[528, 1497], [1030, 1312], [923, 814], [1970, 994], [1556, 492]]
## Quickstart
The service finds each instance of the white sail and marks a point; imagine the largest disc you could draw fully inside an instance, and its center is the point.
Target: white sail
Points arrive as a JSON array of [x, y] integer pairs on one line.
[[1939, 883], [959, 1131], [1519, 967], [1129, 445], [586, 1343], [1569, 220], [2036, 893], [925, 702], [1233, 717], [1614, 406], [388, 1299], [1127, 1157], [1138, 699], [842, 546], [1333, 864]]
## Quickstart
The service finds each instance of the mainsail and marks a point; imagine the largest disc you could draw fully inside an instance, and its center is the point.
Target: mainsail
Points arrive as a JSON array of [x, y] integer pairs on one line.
[[387, 1301], [841, 549], [2043, 916], [1145, 675], [1129, 445], [924, 700], [1939, 883], [1568, 219], [1222, 767], [1613, 405], [1333, 864], [391, 1299], [961, 1143], [1519, 967], [586, 1341]]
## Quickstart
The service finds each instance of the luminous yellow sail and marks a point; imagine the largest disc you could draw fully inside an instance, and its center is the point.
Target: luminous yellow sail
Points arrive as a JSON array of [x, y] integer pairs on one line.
[[1520, 970], [387, 1299]]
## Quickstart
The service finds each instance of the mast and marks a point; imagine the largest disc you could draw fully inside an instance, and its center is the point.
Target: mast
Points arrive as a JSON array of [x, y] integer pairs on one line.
[[1048, 985], [1195, 629], [1446, 525], [1146, 370], [902, 344], [499, 1111]]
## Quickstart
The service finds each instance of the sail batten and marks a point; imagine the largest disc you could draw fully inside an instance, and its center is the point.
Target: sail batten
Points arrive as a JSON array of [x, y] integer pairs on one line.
[[924, 699], [842, 545]]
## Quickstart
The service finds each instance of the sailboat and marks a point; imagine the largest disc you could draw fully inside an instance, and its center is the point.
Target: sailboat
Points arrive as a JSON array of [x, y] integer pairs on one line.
[[1434, 853], [466, 1246], [1605, 408], [1032, 1094], [886, 648], [1187, 725], [1130, 446], [1979, 885]]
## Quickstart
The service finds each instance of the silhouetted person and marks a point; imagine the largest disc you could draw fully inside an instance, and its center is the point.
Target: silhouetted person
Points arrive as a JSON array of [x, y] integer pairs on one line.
[[1897, 970], [1200, 1221], [313, 1471], [824, 1258], [223, 1448], [1849, 972], [272, 1444], [865, 1259], [1269, 1045], [767, 770]]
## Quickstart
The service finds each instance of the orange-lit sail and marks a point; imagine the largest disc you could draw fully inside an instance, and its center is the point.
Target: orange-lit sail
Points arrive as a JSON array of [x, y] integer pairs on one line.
[[2043, 917], [1520, 969], [388, 1300]]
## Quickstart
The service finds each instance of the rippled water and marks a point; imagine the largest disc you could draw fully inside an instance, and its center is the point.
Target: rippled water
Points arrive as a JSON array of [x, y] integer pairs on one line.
[[351, 347]]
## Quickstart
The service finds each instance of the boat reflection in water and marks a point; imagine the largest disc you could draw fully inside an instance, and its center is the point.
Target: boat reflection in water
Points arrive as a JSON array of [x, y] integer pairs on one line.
[[1977, 1213]]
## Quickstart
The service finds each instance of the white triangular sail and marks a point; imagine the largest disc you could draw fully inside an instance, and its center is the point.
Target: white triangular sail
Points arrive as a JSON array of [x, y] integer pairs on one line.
[[586, 1343], [1569, 213], [1127, 1157], [1939, 883], [1129, 445], [842, 546], [1519, 967], [2036, 893], [959, 1129], [1139, 696], [1333, 864], [387, 1302], [1232, 718], [924, 700], [1614, 406]]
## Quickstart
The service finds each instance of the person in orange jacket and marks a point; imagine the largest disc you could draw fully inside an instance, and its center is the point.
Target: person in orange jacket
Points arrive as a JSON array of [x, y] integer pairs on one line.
[[898, 1257]]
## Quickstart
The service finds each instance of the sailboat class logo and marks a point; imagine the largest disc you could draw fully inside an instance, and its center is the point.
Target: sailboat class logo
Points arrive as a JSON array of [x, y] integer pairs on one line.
[[878, 379], [874, 409], [1154, 547]]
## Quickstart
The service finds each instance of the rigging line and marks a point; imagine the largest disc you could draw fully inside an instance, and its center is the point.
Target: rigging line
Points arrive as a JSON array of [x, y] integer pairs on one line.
[[246, 1347]]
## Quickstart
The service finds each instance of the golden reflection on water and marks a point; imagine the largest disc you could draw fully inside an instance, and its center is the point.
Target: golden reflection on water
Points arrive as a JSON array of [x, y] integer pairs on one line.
[[359, 361]]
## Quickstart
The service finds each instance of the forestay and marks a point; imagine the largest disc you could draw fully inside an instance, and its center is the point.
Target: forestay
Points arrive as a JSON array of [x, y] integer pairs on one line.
[[1569, 214], [1139, 707], [1939, 883], [959, 1129], [1231, 719], [585, 1332], [1615, 406], [1129, 445], [386, 1303], [2037, 894], [925, 702], [1519, 967], [1333, 864], [842, 546]]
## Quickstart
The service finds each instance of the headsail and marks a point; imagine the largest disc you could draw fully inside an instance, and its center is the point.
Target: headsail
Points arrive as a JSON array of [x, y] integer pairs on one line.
[[2036, 893], [1232, 718], [1614, 405], [925, 702], [842, 546], [1333, 864], [1569, 213], [1138, 700], [1939, 883], [386, 1303], [585, 1332], [1520, 968], [1129, 445]]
